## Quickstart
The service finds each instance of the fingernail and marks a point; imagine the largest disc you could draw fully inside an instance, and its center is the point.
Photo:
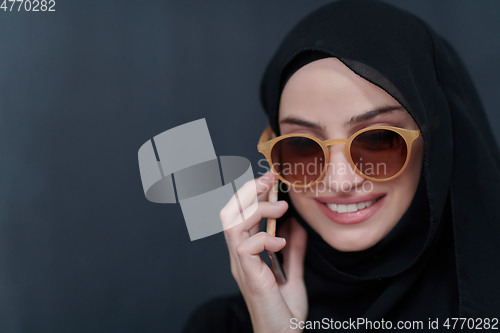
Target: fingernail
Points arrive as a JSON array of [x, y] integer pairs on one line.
[[279, 203], [281, 239]]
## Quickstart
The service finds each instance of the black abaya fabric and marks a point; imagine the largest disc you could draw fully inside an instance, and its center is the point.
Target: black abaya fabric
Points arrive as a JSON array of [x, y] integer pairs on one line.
[[441, 260]]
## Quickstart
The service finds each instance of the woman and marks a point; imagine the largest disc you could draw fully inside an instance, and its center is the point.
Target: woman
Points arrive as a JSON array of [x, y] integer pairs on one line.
[[413, 244]]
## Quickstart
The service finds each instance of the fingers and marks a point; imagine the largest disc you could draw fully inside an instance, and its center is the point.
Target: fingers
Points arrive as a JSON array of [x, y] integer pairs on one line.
[[238, 234], [234, 229], [249, 251], [263, 184], [247, 196], [246, 264], [254, 230], [244, 241]]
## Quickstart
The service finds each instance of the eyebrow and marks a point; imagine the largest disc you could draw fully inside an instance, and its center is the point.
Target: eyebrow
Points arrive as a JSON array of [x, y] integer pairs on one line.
[[354, 120], [371, 114], [301, 122]]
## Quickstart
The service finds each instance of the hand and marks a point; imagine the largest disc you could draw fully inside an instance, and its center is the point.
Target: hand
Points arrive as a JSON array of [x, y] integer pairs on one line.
[[271, 306]]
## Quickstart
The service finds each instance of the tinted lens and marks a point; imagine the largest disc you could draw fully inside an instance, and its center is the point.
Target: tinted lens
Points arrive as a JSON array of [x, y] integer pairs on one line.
[[299, 160], [379, 153]]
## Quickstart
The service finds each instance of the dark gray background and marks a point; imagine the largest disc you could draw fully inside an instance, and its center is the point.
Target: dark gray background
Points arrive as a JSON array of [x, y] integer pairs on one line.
[[82, 88]]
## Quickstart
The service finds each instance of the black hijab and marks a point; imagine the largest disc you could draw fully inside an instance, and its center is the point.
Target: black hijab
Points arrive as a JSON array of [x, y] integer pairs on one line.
[[441, 260]]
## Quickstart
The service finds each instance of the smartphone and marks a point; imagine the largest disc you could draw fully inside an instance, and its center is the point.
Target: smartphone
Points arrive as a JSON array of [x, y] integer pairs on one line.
[[276, 266]]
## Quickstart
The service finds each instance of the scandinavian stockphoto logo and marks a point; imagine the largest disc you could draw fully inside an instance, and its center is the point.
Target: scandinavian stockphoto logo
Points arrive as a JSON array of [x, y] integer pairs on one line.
[[180, 166]]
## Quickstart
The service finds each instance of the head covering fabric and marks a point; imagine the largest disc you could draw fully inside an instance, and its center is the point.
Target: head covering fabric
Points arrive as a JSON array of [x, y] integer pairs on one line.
[[441, 259]]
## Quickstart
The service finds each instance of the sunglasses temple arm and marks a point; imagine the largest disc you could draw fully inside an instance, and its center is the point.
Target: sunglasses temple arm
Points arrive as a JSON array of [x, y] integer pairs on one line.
[[266, 135]]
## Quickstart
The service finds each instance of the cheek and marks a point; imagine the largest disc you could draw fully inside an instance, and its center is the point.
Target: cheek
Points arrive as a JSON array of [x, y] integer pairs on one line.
[[305, 205], [298, 198]]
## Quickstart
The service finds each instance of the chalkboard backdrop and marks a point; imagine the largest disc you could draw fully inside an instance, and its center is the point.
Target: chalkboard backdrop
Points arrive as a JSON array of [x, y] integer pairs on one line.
[[83, 87]]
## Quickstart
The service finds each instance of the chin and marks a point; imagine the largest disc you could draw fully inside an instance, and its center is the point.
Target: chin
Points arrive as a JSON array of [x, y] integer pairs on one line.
[[352, 240]]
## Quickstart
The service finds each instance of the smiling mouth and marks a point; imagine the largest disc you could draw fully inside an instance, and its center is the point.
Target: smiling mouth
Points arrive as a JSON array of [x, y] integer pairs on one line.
[[351, 208]]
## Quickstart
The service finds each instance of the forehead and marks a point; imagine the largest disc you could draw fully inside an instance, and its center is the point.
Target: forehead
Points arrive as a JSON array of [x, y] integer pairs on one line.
[[327, 87], [329, 83]]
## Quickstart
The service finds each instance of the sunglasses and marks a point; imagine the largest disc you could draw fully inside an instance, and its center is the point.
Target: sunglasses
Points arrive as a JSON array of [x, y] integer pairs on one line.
[[378, 153]]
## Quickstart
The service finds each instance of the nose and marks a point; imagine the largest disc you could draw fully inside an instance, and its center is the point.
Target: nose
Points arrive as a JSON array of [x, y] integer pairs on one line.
[[340, 176]]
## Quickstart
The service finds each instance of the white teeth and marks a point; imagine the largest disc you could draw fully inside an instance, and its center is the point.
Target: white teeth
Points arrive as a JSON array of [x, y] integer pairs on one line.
[[350, 208], [332, 206], [342, 208]]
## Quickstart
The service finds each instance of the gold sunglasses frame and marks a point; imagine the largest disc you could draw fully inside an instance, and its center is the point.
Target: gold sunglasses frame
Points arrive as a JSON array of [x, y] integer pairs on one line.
[[268, 139]]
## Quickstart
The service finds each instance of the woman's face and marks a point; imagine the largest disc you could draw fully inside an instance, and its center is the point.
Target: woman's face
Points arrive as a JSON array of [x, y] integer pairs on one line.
[[327, 100]]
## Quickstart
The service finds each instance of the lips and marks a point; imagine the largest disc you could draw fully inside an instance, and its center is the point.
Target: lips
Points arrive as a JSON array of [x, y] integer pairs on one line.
[[350, 209]]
